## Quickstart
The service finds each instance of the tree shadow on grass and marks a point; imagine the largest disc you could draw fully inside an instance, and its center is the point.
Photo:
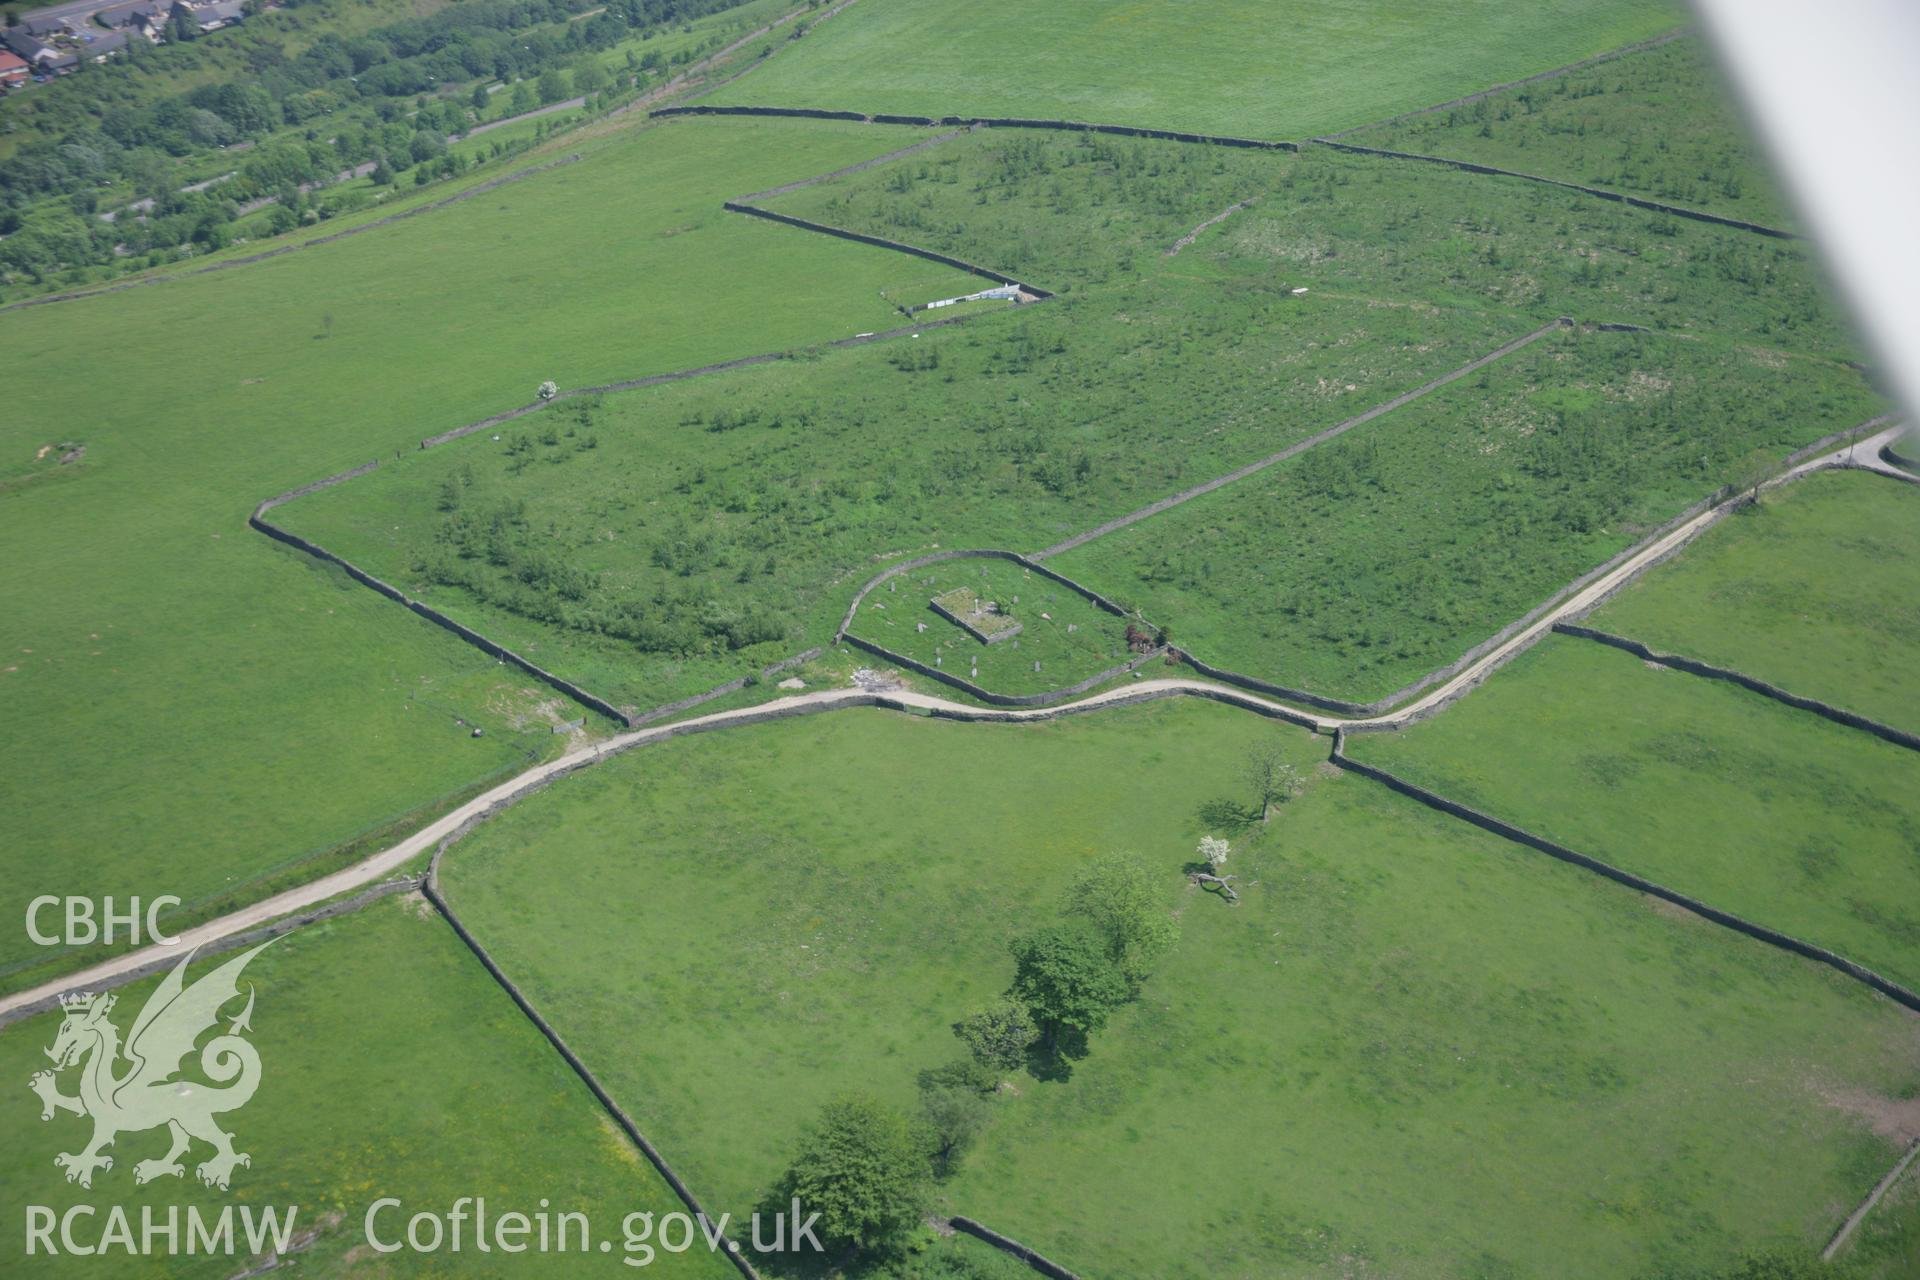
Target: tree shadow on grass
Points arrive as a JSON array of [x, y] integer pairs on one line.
[[1228, 816], [1054, 1064]]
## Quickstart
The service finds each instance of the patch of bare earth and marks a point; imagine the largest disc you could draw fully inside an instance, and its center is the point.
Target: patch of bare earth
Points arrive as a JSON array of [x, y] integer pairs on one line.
[[1895, 1119], [523, 708], [1668, 910]]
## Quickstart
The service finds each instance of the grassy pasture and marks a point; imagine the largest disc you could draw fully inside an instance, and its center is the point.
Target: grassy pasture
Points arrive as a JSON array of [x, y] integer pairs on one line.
[[1357, 567], [1416, 1050], [1762, 810], [1239, 67], [188, 705], [1660, 123], [859, 878], [1413, 1049], [391, 1065], [1818, 592]]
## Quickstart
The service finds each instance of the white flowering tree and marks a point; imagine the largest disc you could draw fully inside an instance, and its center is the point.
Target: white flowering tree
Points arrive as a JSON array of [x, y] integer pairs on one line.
[[1213, 851], [549, 389]]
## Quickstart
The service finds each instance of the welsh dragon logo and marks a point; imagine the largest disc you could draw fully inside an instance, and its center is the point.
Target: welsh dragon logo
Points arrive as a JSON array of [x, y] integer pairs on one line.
[[146, 1092]]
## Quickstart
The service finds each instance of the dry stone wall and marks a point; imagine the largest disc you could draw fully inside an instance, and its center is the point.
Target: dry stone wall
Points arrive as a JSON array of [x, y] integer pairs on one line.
[[983, 122], [1006, 1244], [879, 242], [1618, 197], [1553, 848], [1693, 666]]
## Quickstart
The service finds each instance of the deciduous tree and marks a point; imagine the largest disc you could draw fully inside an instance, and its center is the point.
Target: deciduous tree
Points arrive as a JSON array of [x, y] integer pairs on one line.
[[1120, 897], [998, 1036], [955, 1106], [1067, 981], [862, 1170], [1272, 776]]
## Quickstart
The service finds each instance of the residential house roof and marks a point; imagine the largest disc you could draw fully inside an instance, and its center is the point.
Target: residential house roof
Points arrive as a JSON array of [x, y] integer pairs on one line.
[[216, 14], [126, 15], [26, 45]]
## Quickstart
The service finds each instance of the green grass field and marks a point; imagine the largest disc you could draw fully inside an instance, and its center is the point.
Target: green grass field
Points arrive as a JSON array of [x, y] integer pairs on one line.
[[1660, 122], [1416, 1050], [1413, 1049], [194, 706], [1245, 68], [391, 1065], [1888, 1242], [1759, 809], [856, 880], [1818, 592]]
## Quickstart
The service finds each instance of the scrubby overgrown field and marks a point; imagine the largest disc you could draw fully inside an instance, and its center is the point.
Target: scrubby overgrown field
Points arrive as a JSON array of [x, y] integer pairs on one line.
[[660, 541], [664, 540], [1661, 124], [1357, 567]]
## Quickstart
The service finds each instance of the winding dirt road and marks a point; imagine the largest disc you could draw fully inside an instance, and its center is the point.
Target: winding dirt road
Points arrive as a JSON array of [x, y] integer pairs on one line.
[[1863, 454]]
